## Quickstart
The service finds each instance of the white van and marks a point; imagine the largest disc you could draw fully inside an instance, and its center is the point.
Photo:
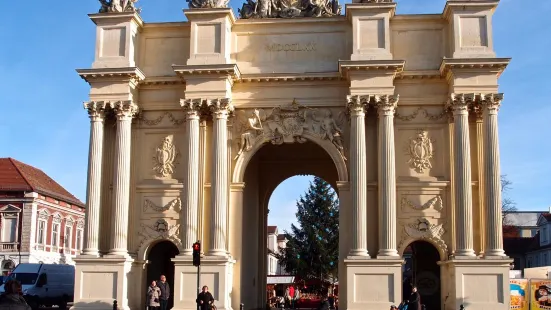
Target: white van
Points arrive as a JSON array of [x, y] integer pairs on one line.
[[45, 284]]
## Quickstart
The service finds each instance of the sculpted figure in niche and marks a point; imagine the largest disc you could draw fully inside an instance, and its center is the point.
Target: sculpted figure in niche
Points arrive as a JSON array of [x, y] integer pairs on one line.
[[254, 128], [165, 157]]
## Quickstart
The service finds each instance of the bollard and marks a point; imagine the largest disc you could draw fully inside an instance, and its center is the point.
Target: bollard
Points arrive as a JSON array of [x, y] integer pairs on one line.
[[115, 307], [241, 306]]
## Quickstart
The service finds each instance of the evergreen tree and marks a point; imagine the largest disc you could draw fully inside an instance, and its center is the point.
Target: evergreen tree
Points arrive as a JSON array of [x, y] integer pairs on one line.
[[312, 251]]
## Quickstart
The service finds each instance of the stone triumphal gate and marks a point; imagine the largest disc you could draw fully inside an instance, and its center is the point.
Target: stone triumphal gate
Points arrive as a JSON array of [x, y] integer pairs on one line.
[[194, 124]]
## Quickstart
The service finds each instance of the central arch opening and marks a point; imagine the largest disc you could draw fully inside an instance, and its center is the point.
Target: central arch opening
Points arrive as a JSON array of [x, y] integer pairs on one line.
[[160, 263], [266, 170]]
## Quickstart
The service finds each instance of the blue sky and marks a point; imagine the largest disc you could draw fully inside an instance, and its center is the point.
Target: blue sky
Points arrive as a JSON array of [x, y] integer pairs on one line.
[[42, 121]]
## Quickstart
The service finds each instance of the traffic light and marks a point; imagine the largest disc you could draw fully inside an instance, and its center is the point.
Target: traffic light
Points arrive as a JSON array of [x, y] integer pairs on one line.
[[197, 254]]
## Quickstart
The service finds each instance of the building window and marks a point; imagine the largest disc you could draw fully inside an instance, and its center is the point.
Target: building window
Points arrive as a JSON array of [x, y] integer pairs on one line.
[[55, 234], [9, 229], [67, 239], [41, 232], [79, 240], [544, 234]]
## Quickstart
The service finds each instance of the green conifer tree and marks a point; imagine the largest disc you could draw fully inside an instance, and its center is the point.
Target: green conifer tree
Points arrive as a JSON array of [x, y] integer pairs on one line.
[[312, 251]]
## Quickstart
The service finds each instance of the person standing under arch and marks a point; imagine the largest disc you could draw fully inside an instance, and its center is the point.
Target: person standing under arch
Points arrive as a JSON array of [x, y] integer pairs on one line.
[[414, 302], [165, 292]]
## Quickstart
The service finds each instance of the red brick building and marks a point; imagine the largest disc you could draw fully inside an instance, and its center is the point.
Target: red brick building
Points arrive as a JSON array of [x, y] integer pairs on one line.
[[40, 221]]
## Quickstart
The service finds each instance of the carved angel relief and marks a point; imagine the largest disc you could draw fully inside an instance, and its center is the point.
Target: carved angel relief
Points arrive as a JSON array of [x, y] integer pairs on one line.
[[422, 229], [165, 158], [435, 203], [420, 150], [160, 230], [175, 204], [288, 124]]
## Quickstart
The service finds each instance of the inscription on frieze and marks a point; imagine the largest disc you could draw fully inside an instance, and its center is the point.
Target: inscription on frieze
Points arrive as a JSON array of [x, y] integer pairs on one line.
[[291, 47]]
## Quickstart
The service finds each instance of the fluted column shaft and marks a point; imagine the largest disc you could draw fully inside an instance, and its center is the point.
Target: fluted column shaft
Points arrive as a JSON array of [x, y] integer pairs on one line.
[[96, 111], [124, 112], [462, 176], [492, 176], [189, 220], [220, 171], [386, 107], [357, 107]]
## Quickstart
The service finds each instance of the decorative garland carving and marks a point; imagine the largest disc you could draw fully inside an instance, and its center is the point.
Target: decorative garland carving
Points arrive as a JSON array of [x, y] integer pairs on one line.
[[175, 204], [287, 124], [159, 119], [165, 158], [80, 224], [43, 215], [429, 116], [422, 229], [160, 230], [435, 203], [420, 151]]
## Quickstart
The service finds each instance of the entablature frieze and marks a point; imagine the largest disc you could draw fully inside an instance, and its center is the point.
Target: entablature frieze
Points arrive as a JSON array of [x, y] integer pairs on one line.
[[132, 75]]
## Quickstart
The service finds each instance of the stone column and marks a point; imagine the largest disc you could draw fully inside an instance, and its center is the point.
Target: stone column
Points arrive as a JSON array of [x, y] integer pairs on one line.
[[462, 175], [358, 174], [96, 111], [188, 218], [221, 109], [124, 111], [386, 107], [492, 176]]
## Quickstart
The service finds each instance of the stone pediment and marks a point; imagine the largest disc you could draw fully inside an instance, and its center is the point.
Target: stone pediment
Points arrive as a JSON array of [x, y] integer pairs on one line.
[[10, 209]]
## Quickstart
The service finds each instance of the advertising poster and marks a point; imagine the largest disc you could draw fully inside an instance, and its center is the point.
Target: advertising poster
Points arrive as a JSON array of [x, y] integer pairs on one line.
[[540, 294], [520, 299]]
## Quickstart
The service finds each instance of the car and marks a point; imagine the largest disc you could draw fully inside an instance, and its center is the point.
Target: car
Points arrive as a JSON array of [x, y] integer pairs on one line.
[[45, 284]]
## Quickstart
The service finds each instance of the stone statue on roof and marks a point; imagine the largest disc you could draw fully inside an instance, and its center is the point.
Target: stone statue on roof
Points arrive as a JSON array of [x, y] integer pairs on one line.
[[208, 4], [289, 8], [117, 6]]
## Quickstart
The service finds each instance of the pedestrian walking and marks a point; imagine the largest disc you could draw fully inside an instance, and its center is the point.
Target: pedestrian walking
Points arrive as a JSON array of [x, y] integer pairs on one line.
[[205, 299]]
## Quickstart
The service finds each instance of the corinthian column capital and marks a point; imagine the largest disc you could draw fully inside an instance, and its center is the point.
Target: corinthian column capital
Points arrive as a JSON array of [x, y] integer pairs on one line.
[[220, 108], [386, 104], [460, 103], [96, 110], [491, 102], [357, 104], [192, 107], [124, 110]]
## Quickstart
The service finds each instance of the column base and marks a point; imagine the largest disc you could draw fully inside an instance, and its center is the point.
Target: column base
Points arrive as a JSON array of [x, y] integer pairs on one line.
[[465, 254], [477, 284], [358, 254], [216, 273], [388, 254], [373, 284], [100, 281]]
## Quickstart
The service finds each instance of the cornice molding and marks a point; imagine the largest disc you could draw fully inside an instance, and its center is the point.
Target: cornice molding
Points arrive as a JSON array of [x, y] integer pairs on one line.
[[419, 75], [116, 17], [464, 5], [162, 80], [497, 65], [131, 74], [262, 78], [228, 70], [385, 66], [200, 13]]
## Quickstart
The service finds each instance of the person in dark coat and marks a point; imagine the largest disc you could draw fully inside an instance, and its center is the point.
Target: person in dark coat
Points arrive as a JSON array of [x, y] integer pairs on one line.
[[414, 302], [165, 292], [205, 299], [12, 299]]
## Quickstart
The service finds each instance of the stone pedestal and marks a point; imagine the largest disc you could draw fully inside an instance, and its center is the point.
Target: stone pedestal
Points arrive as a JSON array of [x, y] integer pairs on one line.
[[373, 284], [100, 281], [370, 30], [216, 273], [477, 284]]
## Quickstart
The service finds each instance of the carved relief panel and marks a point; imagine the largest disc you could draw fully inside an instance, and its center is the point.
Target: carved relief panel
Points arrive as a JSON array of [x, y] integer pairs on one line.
[[160, 155], [293, 123], [428, 202], [424, 229], [421, 152]]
